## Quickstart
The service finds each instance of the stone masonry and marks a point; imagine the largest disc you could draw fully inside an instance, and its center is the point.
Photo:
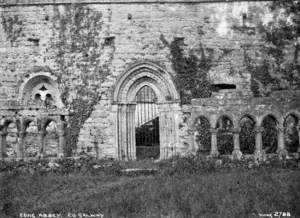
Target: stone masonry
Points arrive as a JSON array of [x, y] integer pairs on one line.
[[60, 59]]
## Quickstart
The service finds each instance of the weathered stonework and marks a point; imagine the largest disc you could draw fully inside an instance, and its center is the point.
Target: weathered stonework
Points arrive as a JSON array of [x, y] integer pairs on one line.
[[93, 56]]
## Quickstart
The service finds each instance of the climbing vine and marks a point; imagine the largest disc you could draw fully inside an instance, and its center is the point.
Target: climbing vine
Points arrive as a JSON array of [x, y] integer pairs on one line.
[[192, 70], [12, 26], [79, 45], [276, 67]]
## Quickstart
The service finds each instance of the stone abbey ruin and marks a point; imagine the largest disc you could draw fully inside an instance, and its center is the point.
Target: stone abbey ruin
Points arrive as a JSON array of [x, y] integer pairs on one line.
[[130, 79]]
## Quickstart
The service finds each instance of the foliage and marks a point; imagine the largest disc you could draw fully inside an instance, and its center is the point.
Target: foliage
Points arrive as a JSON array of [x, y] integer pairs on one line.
[[184, 186], [277, 66], [191, 72], [269, 134], [247, 136], [12, 26], [291, 133], [79, 47], [225, 135], [203, 136]]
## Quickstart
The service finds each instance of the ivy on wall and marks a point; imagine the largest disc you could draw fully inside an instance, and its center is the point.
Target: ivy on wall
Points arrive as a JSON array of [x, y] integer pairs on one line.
[[277, 65], [192, 70], [12, 26], [79, 46], [191, 76]]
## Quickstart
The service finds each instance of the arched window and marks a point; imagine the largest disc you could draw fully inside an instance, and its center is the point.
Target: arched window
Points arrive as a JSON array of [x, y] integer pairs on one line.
[[291, 133], [41, 90], [247, 135], [224, 136], [31, 141], [51, 140], [269, 135], [202, 135]]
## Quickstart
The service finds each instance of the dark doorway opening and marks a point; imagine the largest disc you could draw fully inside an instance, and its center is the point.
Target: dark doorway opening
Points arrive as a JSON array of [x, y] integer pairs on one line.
[[147, 140], [147, 125]]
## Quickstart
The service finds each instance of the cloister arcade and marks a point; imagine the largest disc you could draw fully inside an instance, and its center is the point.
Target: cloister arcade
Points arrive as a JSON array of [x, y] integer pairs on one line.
[[237, 132], [31, 127], [31, 137]]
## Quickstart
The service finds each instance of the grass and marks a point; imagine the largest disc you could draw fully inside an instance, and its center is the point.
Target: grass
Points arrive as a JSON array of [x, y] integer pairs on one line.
[[172, 192]]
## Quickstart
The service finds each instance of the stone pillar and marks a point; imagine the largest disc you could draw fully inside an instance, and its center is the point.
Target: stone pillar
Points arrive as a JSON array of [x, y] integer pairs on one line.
[[126, 131], [3, 135], [42, 135], [175, 113], [194, 147], [237, 154], [214, 144], [20, 149], [259, 153], [61, 139], [162, 133], [122, 132], [115, 134], [282, 152], [130, 136], [298, 128]]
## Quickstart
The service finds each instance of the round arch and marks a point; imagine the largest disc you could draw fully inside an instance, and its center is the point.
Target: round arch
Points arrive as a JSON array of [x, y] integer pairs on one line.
[[32, 83], [275, 115], [292, 113]]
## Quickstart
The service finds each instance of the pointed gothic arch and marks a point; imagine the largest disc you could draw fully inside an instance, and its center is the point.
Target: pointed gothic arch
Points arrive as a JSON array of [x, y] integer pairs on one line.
[[124, 98]]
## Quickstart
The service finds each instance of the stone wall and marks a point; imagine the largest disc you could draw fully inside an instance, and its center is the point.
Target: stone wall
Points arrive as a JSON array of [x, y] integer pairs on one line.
[[86, 47]]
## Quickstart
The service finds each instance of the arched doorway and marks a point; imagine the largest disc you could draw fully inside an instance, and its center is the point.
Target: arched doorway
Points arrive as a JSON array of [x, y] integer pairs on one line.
[[146, 104], [146, 124]]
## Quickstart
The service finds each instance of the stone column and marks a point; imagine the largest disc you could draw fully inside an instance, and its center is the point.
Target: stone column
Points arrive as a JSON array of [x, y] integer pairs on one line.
[[194, 147], [282, 152], [130, 136], [237, 154], [42, 135], [176, 110], [3, 135], [126, 131], [214, 144], [115, 133], [122, 132], [61, 139], [298, 128], [20, 150], [163, 132], [259, 153]]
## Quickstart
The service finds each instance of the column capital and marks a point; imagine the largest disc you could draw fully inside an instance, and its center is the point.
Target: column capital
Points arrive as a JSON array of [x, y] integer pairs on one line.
[[22, 133], [213, 131], [191, 131], [236, 130], [42, 133], [259, 129], [3, 133], [61, 133], [280, 128], [61, 125]]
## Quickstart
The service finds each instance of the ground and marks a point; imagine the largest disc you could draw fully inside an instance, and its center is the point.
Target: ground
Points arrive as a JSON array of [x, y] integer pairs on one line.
[[182, 187]]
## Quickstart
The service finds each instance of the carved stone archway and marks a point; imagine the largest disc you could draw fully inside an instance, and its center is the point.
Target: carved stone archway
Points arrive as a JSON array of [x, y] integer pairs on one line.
[[127, 85]]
